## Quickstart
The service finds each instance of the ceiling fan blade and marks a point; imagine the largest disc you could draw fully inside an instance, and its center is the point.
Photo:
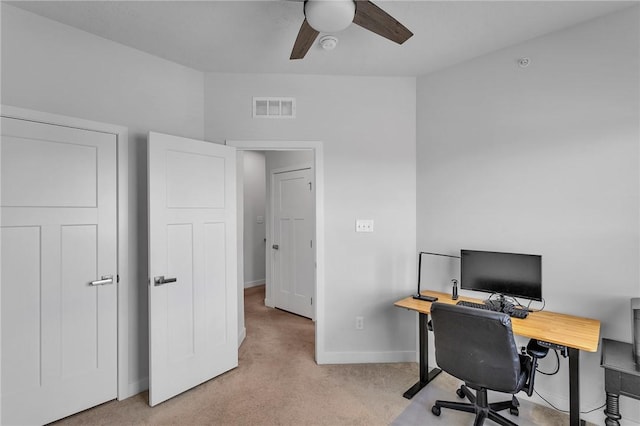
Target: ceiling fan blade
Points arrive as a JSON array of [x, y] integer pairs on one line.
[[306, 37], [374, 19]]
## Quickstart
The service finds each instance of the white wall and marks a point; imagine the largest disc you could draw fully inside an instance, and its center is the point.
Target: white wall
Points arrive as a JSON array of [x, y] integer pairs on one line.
[[543, 160], [51, 67], [367, 126], [254, 206]]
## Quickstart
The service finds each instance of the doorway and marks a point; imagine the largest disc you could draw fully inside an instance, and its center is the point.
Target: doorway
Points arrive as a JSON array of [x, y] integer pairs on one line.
[[279, 228], [314, 148]]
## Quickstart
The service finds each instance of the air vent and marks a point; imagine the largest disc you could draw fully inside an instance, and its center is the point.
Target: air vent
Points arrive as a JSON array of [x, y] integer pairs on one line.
[[274, 108]]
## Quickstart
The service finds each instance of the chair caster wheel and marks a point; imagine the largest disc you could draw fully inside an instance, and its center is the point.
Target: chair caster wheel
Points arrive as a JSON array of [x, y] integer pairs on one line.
[[514, 411], [460, 393], [435, 410]]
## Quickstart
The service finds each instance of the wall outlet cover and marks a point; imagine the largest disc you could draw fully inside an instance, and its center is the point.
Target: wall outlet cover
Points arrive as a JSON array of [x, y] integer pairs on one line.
[[364, 225]]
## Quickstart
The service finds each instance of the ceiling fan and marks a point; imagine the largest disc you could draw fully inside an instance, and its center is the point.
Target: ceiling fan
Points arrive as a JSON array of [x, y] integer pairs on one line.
[[330, 16]]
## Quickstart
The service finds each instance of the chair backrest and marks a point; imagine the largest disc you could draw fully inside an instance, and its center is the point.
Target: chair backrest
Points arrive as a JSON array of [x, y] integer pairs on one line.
[[477, 346]]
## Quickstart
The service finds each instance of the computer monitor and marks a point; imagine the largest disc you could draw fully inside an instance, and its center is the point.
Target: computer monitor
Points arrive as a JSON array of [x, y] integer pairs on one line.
[[508, 274]]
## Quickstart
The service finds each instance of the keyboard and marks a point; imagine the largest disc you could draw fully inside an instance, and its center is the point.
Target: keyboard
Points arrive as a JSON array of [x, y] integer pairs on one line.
[[515, 313]]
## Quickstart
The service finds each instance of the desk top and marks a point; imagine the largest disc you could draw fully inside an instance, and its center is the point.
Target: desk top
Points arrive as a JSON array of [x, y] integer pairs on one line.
[[567, 330], [618, 356]]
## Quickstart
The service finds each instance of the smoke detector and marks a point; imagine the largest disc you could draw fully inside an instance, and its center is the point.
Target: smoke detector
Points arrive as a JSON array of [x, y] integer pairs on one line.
[[328, 42], [524, 62]]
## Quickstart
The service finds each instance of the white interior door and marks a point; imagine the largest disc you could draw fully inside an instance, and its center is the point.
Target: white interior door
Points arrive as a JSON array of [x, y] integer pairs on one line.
[[293, 252], [192, 236], [58, 234]]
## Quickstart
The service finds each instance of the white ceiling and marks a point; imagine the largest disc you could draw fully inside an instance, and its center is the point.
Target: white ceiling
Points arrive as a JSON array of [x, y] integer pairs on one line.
[[257, 36]]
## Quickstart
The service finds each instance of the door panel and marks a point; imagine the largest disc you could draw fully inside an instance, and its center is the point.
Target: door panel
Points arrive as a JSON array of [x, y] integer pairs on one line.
[[58, 209], [21, 263], [48, 173], [293, 262], [181, 311], [79, 331], [194, 180], [192, 239], [216, 310]]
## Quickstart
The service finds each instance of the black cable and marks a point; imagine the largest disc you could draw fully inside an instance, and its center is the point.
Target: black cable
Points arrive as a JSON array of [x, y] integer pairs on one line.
[[567, 411], [557, 365], [517, 303], [591, 411]]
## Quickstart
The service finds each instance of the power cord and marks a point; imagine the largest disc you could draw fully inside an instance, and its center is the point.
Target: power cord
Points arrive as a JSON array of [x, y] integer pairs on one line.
[[517, 303], [557, 366], [528, 307], [566, 411], [555, 372]]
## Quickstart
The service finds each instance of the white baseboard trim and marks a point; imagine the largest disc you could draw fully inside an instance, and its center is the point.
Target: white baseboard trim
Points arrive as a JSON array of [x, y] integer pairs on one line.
[[256, 283], [366, 357], [267, 302], [135, 388], [242, 335]]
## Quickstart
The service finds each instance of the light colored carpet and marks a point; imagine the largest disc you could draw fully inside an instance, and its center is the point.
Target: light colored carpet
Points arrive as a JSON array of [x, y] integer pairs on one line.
[[278, 382], [444, 387]]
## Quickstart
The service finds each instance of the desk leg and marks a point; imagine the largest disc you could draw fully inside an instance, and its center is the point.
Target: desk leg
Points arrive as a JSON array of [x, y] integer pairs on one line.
[[612, 411], [425, 375], [574, 388]]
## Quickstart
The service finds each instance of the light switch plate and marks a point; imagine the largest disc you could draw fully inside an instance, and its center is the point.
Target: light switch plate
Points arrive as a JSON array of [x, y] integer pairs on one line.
[[364, 225]]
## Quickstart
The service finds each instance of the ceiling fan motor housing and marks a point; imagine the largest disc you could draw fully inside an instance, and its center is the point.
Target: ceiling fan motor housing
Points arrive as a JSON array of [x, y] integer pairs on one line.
[[329, 16]]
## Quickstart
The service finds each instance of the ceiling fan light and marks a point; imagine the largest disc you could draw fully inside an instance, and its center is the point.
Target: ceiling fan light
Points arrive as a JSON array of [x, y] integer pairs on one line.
[[329, 16]]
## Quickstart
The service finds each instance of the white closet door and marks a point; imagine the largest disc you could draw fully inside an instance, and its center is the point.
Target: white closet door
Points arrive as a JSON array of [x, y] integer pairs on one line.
[[193, 310], [58, 235], [293, 273]]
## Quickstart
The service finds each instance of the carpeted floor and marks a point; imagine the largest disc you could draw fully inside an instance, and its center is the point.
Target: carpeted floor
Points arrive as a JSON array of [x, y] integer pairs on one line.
[[278, 382], [443, 387]]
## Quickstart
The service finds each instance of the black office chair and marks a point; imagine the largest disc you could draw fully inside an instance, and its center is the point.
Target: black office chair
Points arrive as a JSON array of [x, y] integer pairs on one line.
[[477, 347]]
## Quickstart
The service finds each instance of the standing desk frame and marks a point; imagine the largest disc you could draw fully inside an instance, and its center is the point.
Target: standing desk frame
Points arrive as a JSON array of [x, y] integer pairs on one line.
[[576, 333]]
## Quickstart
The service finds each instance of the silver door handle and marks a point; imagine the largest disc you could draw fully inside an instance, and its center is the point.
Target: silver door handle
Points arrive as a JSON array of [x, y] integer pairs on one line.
[[161, 280], [106, 279], [275, 246]]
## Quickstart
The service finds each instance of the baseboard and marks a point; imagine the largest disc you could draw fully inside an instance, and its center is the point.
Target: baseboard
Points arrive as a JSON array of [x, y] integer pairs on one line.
[[366, 357], [267, 302], [135, 388], [242, 335], [255, 283]]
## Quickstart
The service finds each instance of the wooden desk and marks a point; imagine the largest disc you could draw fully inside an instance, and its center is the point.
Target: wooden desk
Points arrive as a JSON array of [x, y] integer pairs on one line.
[[576, 333]]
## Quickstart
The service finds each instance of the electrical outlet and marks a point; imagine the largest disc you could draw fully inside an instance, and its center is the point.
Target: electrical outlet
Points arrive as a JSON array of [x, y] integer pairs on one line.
[[364, 225], [359, 323]]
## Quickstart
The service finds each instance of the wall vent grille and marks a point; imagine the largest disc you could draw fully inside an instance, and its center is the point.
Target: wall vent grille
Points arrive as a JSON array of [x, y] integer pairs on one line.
[[274, 107]]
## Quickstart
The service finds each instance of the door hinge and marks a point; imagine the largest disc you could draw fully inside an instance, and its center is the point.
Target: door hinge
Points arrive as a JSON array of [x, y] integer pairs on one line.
[[311, 243], [310, 186], [312, 301], [117, 278]]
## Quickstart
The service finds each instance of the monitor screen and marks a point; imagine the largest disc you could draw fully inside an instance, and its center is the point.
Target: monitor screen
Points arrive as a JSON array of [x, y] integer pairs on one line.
[[510, 274]]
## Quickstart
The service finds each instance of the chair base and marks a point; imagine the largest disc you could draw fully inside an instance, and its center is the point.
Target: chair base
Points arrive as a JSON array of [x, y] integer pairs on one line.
[[479, 406]]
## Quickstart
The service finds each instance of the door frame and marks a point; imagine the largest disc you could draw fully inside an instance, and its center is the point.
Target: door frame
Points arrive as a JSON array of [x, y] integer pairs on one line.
[[318, 168], [125, 389], [270, 229]]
